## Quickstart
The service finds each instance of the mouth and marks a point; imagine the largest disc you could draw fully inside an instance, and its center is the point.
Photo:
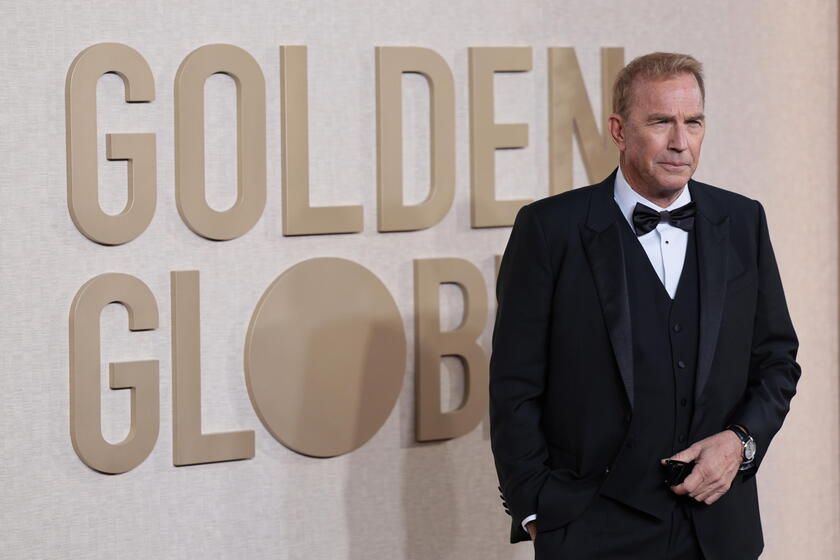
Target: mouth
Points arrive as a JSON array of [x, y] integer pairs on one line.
[[674, 166]]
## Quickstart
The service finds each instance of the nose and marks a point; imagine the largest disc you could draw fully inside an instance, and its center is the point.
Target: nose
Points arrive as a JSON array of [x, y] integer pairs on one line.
[[678, 140]]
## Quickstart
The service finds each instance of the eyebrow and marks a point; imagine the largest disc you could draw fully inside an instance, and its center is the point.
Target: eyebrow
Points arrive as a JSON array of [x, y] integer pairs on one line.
[[671, 118]]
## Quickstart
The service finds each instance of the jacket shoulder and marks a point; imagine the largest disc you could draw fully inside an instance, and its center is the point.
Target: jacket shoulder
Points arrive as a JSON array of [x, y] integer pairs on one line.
[[569, 206], [733, 202]]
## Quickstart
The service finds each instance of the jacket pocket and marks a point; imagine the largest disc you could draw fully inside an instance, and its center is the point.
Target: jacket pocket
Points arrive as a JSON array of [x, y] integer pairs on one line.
[[559, 458]]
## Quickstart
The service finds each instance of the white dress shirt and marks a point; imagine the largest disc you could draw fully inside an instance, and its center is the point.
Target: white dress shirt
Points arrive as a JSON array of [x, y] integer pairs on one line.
[[665, 245]]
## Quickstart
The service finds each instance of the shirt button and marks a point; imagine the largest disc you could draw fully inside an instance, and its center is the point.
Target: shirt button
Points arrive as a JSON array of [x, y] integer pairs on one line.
[[677, 327], [681, 439], [683, 402], [681, 364]]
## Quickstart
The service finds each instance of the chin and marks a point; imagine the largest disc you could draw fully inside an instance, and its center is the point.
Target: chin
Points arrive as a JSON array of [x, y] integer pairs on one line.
[[671, 183]]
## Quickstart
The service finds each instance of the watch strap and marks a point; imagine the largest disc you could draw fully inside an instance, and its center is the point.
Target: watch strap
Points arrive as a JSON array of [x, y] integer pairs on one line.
[[740, 432], [745, 438]]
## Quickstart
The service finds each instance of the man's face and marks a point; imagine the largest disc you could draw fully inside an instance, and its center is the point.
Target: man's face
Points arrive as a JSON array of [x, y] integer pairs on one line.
[[661, 137]]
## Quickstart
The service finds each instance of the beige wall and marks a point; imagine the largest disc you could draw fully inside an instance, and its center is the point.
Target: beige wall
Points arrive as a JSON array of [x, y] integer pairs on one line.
[[772, 110]]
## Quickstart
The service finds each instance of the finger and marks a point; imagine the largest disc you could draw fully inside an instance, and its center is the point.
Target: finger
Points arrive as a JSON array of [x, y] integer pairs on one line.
[[702, 496], [679, 490], [713, 498], [714, 494], [718, 485], [713, 482], [532, 530], [708, 487], [686, 488], [686, 455], [694, 482], [703, 489]]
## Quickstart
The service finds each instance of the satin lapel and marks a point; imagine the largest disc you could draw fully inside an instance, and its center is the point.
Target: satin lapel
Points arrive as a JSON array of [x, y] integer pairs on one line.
[[712, 251], [602, 244]]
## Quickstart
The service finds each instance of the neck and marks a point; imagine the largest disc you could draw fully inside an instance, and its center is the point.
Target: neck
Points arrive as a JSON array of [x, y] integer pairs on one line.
[[660, 197]]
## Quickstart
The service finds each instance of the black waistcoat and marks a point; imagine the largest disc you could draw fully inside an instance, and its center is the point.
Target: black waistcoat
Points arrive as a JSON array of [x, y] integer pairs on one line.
[[664, 366]]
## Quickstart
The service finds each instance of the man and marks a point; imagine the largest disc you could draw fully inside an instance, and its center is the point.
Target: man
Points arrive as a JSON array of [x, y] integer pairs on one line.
[[640, 320]]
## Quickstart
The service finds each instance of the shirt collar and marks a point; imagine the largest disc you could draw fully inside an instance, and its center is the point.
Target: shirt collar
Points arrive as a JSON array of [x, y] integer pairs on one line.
[[626, 198]]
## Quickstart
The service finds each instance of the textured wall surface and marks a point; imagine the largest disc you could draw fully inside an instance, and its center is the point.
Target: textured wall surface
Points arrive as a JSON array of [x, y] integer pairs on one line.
[[772, 135]]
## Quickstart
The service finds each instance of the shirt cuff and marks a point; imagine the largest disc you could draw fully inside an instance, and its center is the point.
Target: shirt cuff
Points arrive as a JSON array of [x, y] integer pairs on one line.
[[532, 517]]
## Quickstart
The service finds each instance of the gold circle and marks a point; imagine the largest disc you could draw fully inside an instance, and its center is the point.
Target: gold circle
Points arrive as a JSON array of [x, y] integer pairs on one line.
[[325, 356]]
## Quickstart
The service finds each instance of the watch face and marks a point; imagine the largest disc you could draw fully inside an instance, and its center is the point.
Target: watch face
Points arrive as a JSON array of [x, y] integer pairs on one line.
[[749, 449]]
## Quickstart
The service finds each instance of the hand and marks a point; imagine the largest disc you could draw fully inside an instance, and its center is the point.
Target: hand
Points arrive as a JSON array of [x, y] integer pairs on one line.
[[717, 460], [532, 529]]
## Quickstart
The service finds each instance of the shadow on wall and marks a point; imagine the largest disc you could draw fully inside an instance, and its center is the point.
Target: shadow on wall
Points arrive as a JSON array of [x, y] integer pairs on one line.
[[406, 510], [401, 502], [429, 502]]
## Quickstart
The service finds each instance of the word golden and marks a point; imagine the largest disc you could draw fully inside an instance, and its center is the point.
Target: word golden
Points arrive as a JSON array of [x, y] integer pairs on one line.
[[318, 398]]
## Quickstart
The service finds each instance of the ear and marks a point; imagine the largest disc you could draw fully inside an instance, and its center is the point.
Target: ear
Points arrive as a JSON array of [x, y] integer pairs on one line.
[[616, 125]]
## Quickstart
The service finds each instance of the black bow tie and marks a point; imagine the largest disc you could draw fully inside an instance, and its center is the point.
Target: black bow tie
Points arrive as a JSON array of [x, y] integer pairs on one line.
[[645, 219]]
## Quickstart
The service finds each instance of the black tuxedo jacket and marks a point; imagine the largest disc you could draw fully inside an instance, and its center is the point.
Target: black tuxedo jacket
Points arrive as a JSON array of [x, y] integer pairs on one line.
[[561, 372]]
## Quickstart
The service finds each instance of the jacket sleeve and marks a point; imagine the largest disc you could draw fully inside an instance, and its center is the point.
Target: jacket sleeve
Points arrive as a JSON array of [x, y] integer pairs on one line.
[[518, 366], [773, 369]]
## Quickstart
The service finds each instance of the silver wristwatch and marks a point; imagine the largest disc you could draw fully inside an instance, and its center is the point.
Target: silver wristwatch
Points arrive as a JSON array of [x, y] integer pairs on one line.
[[749, 446]]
